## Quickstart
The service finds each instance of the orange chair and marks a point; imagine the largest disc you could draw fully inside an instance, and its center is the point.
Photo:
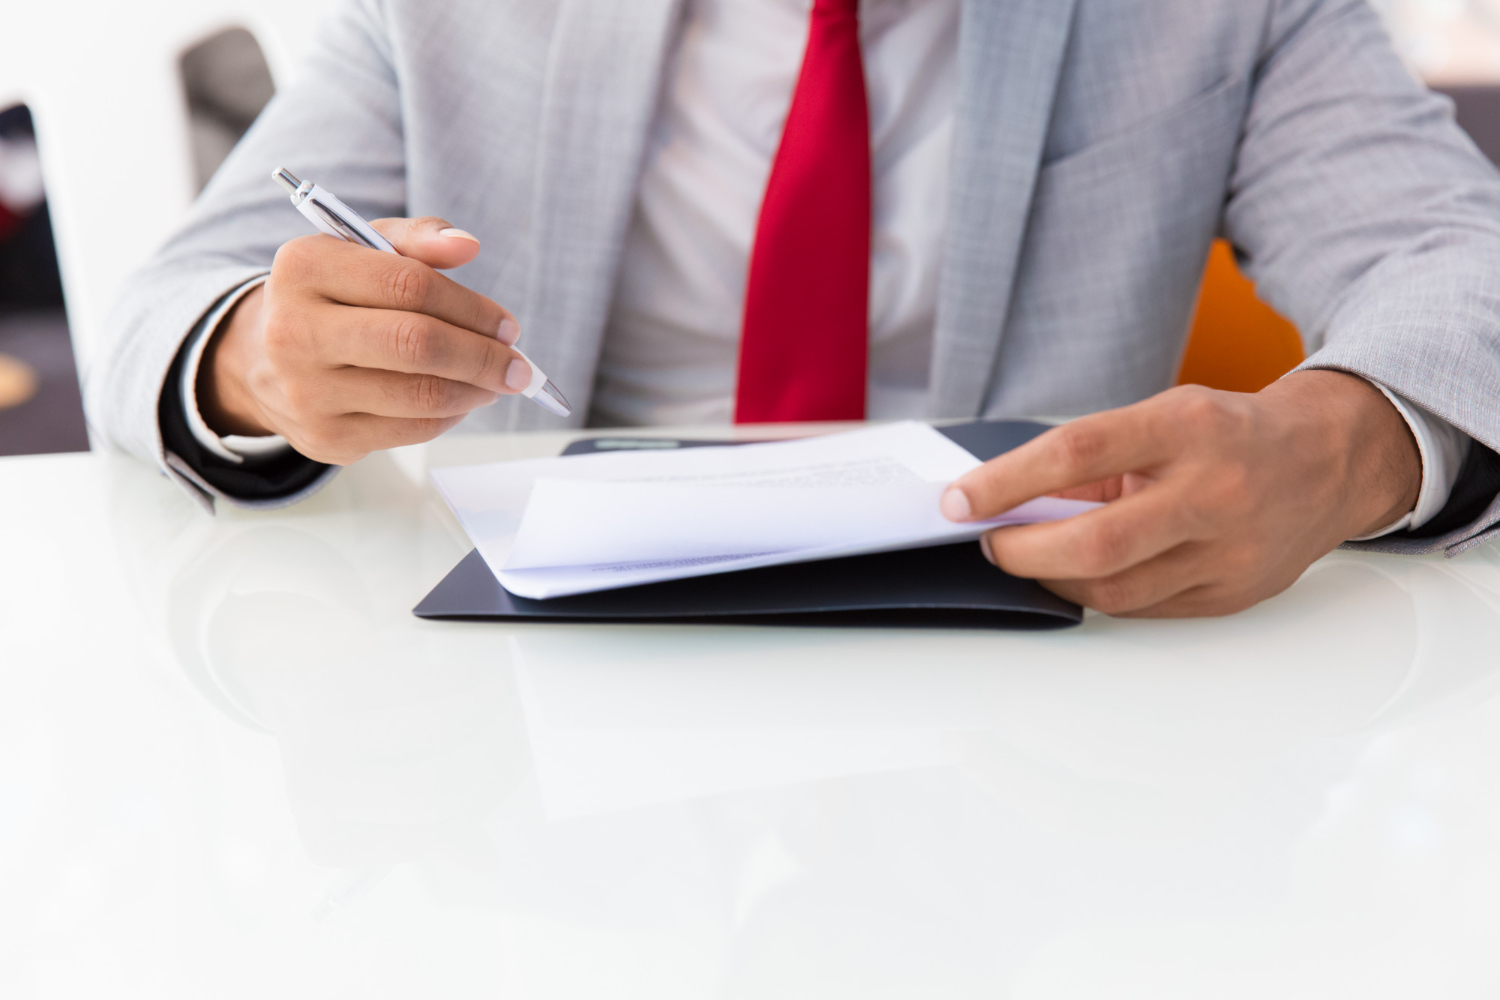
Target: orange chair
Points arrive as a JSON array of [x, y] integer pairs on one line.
[[1238, 342]]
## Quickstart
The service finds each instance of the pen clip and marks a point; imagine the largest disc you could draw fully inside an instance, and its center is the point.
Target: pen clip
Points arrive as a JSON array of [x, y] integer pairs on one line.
[[331, 224]]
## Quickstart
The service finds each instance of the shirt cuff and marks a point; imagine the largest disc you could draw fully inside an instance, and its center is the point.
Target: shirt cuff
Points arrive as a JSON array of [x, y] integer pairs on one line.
[[231, 447], [1443, 449]]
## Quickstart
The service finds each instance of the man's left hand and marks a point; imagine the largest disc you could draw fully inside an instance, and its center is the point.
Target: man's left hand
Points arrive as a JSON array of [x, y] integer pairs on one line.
[[1215, 500]]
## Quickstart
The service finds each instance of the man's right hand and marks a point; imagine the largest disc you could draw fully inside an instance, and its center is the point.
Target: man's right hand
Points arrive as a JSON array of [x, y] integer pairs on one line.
[[345, 350]]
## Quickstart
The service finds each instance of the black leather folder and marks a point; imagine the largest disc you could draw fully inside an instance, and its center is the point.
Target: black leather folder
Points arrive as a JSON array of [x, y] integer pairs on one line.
[[946, 585]]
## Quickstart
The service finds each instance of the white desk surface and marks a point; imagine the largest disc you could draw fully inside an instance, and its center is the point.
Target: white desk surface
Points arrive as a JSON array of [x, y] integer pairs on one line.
[[232, 764]]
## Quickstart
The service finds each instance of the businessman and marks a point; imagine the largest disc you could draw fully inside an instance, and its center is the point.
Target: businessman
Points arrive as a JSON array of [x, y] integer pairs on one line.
[[697, 211]]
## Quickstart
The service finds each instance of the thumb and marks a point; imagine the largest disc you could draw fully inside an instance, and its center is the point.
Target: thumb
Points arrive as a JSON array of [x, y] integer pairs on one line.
[[430, 240]]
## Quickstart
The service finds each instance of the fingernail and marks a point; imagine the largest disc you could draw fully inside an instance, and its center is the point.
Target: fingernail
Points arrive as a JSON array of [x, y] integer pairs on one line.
[[984, 546], [510, 332], [458, 234], [518, 375], [955, 505]]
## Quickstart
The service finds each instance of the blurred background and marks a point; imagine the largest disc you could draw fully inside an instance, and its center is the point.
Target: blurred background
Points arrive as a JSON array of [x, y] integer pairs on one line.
[[178, 120], [126, 161]]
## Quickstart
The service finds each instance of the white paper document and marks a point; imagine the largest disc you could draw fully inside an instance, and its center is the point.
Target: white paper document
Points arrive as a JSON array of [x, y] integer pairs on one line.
[[559, 526]]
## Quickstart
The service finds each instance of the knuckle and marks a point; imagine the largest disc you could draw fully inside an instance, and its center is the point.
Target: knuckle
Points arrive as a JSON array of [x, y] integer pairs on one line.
[[1191, 401], [1221, 602], [301, 396], [319, 445], [300, 263], [489, 365], [419, 430], [407, 285], [280, 334], [433, 394], [427, 428], [1103, 549], [264, 381], [1111, 595], [1080, 447], [275, 339], [410, 342], [1204, 410], [296, 261]]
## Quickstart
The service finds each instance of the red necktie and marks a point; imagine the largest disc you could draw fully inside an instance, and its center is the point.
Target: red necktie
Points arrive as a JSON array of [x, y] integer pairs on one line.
[[805, 344]]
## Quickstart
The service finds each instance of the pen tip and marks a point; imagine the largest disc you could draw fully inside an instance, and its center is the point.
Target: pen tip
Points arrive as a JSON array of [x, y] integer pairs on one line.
[[553, 400]]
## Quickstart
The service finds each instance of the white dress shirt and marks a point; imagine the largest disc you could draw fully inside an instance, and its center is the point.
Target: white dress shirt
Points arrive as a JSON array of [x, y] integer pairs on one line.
[[671, 349]]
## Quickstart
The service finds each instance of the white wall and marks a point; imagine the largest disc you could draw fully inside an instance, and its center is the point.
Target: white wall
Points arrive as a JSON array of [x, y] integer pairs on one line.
[[1447, 41]]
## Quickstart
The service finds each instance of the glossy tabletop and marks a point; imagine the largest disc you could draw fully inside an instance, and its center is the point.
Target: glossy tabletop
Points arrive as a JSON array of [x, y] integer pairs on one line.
[[232, 764]]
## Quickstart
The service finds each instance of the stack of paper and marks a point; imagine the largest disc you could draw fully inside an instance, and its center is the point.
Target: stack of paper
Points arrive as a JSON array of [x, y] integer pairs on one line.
[[559, 526]]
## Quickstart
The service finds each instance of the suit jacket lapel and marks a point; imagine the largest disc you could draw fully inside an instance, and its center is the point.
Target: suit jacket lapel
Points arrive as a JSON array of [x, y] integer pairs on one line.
[[1010, 57], [603, 81]]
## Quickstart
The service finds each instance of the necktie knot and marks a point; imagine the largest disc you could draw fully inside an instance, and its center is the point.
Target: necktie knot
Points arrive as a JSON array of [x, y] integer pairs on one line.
[[845, 8]]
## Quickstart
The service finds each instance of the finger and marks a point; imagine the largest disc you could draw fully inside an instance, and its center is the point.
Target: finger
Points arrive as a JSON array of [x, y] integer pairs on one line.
[[1234, 580], [356, 276], [1085, 451], [1207, 601], [1103, 491], [420, 345], [431, 240], [1102, 542], [1150, 584], [349, 438], [394, 394]]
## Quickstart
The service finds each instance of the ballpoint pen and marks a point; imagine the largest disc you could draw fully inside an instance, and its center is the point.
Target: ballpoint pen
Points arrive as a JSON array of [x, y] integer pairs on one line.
[[337, 219]]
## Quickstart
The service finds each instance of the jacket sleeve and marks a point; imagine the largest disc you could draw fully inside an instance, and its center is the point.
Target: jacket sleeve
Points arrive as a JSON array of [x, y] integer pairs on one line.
[[340, 123], [1366, 216]]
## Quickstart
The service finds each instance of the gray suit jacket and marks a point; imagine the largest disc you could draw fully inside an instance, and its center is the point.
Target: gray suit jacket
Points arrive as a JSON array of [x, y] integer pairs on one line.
[[1101, 146]]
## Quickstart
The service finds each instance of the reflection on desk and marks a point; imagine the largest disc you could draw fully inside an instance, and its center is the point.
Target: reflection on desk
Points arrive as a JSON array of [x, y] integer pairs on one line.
[[1262, 805]]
